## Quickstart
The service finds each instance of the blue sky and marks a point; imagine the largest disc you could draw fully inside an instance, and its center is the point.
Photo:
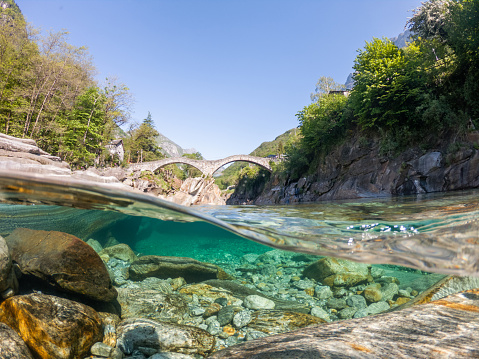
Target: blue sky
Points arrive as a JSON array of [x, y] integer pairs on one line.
[[221, 76]]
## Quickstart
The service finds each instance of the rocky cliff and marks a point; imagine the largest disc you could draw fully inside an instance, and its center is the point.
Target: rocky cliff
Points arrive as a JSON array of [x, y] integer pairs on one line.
[[357, 169]]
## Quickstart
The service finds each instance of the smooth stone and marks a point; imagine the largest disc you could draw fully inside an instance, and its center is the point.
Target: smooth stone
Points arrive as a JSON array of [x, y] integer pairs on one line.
[[356, 301], [445, 328], [120, 251], [376, 272], [164, 267], [101, 349], [323, 292], [373, 293], [97, 247], [242, 319], [212, 309], [337, 272], [184, 339], [209, 293], [152, 304], [221, 301], [225, 315], [257, 302], [61, 260], [320, 313], [8, 279], [52, 327], [11, 345], [241, 291], [376, 308], [336, 303], [347, 313], [277, 321], [214, 327], [389, 290], [255, 334]]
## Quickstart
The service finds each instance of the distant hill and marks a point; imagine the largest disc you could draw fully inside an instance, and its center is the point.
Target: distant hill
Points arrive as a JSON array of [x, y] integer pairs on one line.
[[170, 148]]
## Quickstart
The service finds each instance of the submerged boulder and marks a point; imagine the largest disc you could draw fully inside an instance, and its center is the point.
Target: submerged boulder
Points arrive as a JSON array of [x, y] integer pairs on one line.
[[338, 272], [164, 267], [134, 333], [152, 304], [52, 327], [63, 261], [443, 328]]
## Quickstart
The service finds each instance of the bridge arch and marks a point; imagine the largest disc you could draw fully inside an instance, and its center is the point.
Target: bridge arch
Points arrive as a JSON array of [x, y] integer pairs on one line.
[[205, 166]]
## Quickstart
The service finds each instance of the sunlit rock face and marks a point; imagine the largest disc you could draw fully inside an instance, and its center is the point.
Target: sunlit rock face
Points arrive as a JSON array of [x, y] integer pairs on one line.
[[358, 169]]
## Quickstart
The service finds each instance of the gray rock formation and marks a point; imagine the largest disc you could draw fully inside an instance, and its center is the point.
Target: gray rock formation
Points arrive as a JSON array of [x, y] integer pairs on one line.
[[8, 280], [12, 346], [197, 191], [357, 169]]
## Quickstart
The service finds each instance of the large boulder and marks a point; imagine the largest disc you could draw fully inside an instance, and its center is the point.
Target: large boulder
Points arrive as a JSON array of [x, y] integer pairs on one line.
[[63, 261], [164, 267], [52, 327], [277, 321], [152, 304], [134, 333], [446, 328], [11, 345], [338, 272]]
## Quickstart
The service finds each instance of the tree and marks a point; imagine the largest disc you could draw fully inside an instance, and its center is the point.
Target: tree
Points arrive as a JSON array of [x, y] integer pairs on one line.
[[141, 143], [324, 86], [389, 85]]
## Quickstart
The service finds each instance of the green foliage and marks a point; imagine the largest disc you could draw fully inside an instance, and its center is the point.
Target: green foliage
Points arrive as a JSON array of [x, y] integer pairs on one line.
[[140, 144], [389, 85], [324, 86]]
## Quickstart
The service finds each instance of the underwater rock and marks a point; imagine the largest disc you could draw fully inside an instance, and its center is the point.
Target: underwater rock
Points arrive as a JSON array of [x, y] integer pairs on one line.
[[277, 321], [338, 272], [11, 345], [242, 292], [152, 304], [109, 323], [8, 279], [63, 261], [134, 333], [52, 327], [372, 293], [446, 328], [191, 270], [258, 302], [120, 251]]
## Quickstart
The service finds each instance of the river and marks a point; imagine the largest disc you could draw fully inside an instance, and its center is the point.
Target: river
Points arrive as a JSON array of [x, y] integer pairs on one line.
[[407, 237]]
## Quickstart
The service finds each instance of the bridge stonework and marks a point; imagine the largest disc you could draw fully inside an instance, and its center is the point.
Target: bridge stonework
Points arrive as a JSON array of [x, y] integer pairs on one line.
[[205, 166]]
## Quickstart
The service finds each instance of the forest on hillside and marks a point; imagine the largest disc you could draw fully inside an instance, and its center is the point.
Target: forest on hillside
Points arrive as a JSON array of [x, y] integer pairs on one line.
[[48, 93]]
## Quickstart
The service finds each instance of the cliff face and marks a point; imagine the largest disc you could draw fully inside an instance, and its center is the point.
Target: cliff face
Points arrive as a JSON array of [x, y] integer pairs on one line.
[[357, 170]]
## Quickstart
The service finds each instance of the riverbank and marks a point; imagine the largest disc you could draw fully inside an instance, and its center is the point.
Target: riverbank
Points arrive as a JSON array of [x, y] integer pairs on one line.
[[358, 169]]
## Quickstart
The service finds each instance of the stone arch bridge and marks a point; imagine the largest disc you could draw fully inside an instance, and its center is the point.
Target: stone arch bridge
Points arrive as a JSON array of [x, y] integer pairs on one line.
[[205, 166]]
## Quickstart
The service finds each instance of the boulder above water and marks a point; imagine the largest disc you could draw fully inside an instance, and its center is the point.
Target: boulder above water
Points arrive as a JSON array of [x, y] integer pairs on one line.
[[63, 261], [164, 267]]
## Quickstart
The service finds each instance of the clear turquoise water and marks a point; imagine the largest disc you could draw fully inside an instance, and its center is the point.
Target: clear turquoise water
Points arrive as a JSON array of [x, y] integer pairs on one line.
[[438, 233]]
